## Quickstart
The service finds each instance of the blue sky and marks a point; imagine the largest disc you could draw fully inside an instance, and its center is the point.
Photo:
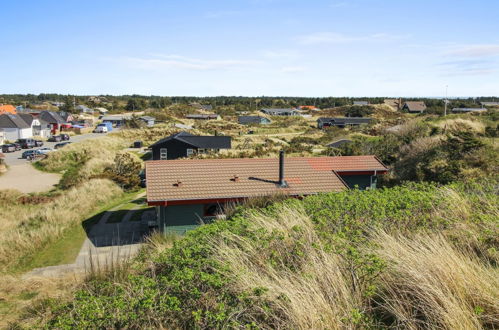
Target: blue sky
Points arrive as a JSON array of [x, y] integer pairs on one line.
[[251, 47]]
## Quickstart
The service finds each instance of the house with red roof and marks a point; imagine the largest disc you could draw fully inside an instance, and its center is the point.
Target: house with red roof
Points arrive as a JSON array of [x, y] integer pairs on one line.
[[7, 108], [189, 192]]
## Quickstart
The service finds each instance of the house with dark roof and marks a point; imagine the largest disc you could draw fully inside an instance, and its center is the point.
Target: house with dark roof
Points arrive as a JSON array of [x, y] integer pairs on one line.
[[38, 126], [280, 112], [116, 120], [360, 102], [14, 127], [189, 192], [55, 121], [414, 106], [325, 122], [253, 120], [183, 144], [198, 116]]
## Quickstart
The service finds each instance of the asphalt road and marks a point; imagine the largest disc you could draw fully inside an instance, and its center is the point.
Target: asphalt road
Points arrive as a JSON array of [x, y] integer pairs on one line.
[[14, 158], [22, 176]]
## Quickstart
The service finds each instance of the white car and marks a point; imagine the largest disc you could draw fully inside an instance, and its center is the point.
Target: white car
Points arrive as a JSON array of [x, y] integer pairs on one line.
[[44, 151], [100, 129]]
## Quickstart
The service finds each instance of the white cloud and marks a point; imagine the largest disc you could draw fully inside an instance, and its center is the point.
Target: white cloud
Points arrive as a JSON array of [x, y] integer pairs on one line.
[[336, 38], [187, 63], [474, 50], [293, 69]]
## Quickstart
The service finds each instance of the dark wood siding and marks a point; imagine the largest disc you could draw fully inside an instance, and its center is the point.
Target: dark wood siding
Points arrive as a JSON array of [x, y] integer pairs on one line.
[[176, 149]]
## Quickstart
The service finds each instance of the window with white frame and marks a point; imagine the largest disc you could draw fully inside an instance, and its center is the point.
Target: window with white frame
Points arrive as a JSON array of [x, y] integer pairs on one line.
[[190, 152], [163, 153]]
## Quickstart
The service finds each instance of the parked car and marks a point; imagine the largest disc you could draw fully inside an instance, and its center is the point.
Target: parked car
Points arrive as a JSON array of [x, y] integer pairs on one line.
[[45, 150], [55, 138], [60, 145], [100, 129], [27, 143], [64, 137], [30, 153], [38, 143], [8, 148], [17, 145]]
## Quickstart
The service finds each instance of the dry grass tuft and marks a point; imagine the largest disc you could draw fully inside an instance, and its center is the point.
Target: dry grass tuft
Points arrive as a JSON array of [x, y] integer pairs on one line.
[[306, 289], [459, 125], [432, 284], [26, 228]]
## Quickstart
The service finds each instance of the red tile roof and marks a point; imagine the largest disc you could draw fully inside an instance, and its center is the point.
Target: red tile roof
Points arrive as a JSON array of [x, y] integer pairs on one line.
[[212, 179], [7, 108]]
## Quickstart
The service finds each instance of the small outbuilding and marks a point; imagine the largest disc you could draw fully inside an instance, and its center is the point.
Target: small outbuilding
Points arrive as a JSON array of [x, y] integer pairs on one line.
[[325, 122], [280, 112], [414, 106]]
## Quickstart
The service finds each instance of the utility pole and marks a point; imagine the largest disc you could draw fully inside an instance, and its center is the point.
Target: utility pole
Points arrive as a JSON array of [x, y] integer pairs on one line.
[[446, 101]]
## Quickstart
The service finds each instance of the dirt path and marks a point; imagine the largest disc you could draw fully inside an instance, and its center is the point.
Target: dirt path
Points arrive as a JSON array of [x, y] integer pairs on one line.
[[25, 178], [106, 245]]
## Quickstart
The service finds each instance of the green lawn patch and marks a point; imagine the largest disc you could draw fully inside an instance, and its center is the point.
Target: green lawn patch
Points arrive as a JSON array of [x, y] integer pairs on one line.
[[66, 249]]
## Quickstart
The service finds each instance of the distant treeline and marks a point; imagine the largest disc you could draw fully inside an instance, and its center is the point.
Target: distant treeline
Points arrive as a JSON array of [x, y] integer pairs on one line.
[[238, 103]]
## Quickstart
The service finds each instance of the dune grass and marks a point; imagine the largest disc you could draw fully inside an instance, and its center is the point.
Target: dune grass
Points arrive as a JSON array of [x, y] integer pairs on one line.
[[418, 256]]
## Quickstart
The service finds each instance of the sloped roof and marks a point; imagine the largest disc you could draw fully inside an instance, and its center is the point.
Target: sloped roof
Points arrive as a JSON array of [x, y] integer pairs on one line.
[[199, 141], [12, 121], [415, 105], [278, 110], [51, 117], [250, 119], [202, 116], [28, 118], [8, 108], [212, 179]]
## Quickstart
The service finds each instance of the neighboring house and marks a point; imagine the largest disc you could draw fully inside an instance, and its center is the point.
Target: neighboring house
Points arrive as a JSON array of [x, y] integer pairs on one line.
[[184, 144], [57, 104], [325, 122], [394, 103], [187, 193], [252, 120], [7, 108], [116, 120], [68, 118], [182, 126], [205, 107], [414, 106], [83, 109], [38, 126], [211, 116], [55, 121], [14, 127], [461, 110], [490, 104], [360, 103], [308, 107], [280, 112], [150, 121], [339, 143], [102, 111]]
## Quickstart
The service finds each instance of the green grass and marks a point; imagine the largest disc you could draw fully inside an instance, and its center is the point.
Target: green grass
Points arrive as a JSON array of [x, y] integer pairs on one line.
[[66, 249], [135, 205]]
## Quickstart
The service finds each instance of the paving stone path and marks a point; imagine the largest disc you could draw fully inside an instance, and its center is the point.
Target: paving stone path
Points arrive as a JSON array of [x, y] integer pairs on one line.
[[106, 244]]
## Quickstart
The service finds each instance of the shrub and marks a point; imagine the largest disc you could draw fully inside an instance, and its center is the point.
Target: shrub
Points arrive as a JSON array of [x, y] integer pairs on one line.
[[125, 170]]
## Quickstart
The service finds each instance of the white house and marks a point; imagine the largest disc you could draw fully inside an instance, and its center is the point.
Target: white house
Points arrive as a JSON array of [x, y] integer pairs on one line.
[[38, 126], [14, 127]]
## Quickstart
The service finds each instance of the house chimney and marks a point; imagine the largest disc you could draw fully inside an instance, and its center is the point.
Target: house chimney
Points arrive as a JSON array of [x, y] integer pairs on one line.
[[282, 182]]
